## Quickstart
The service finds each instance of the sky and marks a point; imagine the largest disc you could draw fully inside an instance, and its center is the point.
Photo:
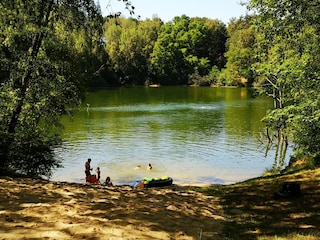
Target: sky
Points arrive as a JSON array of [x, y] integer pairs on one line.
[[222, 10]]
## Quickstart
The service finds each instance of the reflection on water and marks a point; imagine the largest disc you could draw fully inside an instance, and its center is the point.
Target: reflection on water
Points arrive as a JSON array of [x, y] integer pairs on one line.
[[194, 135]]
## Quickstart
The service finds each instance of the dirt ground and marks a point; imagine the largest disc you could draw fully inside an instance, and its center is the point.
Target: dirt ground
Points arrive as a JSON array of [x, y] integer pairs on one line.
[[37, 209]]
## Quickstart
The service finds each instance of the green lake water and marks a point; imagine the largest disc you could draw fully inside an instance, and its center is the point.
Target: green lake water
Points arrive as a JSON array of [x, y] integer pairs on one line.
[[196, 135]]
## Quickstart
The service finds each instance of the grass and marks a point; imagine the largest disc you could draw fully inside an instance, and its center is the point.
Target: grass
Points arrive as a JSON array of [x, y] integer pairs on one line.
[[253, 213]]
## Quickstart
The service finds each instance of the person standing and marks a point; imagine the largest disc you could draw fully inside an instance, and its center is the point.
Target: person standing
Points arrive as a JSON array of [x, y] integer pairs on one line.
[[98, 173], [88, 169]]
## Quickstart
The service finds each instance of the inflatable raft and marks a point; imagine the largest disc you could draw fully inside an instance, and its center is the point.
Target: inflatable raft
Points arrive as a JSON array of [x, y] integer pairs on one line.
[[157, 182]]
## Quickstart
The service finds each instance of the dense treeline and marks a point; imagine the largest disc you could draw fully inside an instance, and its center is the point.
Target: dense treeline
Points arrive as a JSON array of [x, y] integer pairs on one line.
[[52, 50], [184, 51]]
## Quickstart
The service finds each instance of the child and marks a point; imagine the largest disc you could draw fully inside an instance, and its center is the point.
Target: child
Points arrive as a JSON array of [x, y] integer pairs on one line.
[[98, 173], [108, 182]]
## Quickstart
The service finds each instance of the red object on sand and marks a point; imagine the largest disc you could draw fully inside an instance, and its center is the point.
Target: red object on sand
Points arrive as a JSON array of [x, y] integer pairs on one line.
[[92, 179]]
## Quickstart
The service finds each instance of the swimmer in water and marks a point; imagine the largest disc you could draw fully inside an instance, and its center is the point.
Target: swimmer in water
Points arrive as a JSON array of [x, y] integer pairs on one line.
[[149, 166], [138, 167]]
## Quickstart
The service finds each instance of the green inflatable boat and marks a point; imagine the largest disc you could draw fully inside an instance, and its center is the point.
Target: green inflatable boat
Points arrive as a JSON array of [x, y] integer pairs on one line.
[[157, 182]]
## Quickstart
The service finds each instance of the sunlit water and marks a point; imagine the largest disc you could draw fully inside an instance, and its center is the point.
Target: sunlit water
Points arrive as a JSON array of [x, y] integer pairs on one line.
[[194, 135]]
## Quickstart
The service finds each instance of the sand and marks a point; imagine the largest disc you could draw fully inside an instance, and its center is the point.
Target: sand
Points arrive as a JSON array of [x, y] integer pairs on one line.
[[39, 209]]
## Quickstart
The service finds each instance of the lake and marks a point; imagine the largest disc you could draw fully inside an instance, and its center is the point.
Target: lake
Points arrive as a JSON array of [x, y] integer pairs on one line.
[[196, 135]]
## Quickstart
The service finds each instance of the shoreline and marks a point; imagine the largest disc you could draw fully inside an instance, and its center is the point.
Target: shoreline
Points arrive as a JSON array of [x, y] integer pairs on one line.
[[190, 184], [176, 180]]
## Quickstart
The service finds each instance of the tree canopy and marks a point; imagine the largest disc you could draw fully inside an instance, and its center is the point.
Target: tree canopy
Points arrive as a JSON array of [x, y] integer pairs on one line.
[[142, 52], [186, 46], [288, 67], [44, 49], [129, 44], [240, 52]]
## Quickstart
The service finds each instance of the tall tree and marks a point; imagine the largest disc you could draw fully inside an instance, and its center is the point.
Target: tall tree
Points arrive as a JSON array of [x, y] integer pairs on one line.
[[288, 42], [167, 60], [129, 45], [39, 40], [188, 45], [240, 53]]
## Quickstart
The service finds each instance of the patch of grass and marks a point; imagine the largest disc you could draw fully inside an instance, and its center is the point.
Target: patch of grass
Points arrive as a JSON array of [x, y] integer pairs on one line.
[[271, 172], [253, 213]]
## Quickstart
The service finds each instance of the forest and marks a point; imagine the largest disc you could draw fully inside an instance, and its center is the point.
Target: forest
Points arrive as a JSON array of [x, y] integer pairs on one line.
[[53, 51]]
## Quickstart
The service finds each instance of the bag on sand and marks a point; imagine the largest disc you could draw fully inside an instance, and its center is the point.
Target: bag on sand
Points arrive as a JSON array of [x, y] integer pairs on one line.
[[289, 189]]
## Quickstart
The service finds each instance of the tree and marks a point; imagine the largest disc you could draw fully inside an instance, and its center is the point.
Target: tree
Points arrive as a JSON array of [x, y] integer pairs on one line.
[[240, 54], [216, 42], [187, 46], [39, 42], [167, 60], [129, 45], [288, 43]]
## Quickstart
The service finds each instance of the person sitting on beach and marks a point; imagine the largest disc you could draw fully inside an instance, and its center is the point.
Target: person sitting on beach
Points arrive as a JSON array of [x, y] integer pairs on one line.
[[108, 182], [88, 169]]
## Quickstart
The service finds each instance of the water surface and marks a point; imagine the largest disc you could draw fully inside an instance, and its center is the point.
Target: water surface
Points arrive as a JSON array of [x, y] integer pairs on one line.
[[195, 135]]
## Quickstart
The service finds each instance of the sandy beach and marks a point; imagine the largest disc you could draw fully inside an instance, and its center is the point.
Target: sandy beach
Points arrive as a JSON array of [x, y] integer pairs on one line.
[[38, 209]]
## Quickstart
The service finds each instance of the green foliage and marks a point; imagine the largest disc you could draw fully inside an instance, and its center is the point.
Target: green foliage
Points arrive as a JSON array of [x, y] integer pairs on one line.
[[187, 46], [33, 152], [47, 50], [144, 52], [288, 53], [149, 51], [168, 63], [240, 53], [214, 75], [129, 45]]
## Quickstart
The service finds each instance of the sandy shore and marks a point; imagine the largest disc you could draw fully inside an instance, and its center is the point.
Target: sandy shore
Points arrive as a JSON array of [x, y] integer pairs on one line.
[[37, 209]]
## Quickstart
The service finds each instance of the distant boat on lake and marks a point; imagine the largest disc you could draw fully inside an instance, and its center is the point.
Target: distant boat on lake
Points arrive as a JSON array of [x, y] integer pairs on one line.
[[154, 85]]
